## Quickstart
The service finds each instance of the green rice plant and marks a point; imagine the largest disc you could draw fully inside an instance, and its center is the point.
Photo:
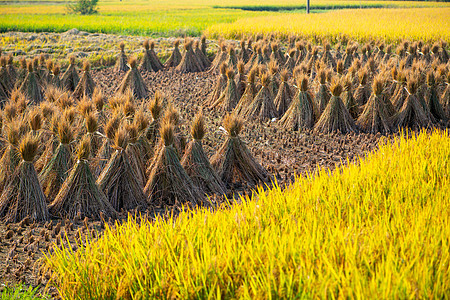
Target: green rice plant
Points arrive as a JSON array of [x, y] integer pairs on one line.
[[378, 228]]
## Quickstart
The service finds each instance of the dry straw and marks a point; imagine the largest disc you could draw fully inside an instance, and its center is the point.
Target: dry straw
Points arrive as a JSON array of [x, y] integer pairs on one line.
[[229, 97], [79, 195], [175, 58], [301, 114], [31, 87], [220, 85], [57, 169], [133, 81], [121, 63], [23, 196], [234, 162], [70, 77], [86, 85], [119, 181], [335, 117], [284, 96], [196, 163], [262, 107], [168, 183], [189, 62]]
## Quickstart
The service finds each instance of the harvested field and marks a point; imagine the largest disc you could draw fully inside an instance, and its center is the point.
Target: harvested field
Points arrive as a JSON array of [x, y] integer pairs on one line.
[[282, 151]]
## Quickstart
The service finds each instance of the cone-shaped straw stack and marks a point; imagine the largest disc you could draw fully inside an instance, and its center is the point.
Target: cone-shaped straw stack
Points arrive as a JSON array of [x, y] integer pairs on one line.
[[86, 85], [23, 196], [121, 63], [233, 161], [175, 58], [80, 196], [133, 81], [197, 164], [70, 77]]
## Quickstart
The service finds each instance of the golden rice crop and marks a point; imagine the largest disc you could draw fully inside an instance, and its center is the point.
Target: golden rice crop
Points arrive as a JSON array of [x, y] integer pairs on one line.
[[376, 229], [428, 24]]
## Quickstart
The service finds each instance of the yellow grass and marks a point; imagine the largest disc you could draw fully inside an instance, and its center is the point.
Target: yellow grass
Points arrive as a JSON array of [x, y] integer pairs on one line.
[[379, 229], [428, 24]]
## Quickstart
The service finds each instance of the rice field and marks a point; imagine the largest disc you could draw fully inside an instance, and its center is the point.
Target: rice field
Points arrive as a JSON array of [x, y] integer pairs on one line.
[[375, 229], [392, 25], [179, 18]]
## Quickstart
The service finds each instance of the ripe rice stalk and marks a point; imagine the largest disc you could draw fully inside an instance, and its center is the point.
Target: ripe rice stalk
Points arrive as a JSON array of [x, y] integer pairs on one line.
[[141, 122], [376, 116], [248, 95], [220, 85], [229, 97], [146, 64], [362, 92], [57, 169], [196, 163], [302, 113], [257, 59], [70, 77], [262, 106], [349, 100], [172, 116], [175, 58], [234, 162], [323, 94], [335, 117], [86, 85], [189, 62], [204, 45], [118, 181], [121, 63], [327, 58], [23, 196], [79, 195], [154, 60], [11, 156], [401, 93], [432, 99], [168, 183], [31, 87], [276, 54], [51, 143], [273, 74], [240, 79], [133, 81], [284, 96], [201, 58]]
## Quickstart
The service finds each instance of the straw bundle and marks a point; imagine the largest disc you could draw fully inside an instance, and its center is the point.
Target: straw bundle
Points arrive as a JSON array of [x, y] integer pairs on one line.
[[154, 60], [323, 94], [189, 62], [240, 79], [57, 169], [135, 154], [284, 96], [31, 86], [229, 97], [432, 99], [349, 100], [121, 63], [233, 161], [106, 150], [86, 85], [201, 57], [12, 72], [262, 106], [302, 113], [362, 92], [80, 196], [248, 95], [11, 157], [70, 77], [175, 58], [220, 58], [146, 64], [220, 85], [133, 81], [445, 98], [168, 183], [23, 196], [376, 115], [119, 181], [335, 117], [196, 163]]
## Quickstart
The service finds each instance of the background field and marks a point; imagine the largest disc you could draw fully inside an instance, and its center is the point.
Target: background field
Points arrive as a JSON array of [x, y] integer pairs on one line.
[[179, 18]]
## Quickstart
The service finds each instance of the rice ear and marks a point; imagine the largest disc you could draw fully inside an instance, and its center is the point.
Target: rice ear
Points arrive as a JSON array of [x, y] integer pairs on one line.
[[121, 138], [233, 124], [336, 87], [198, 128], [28, 147], [84, 148], [167, 133]]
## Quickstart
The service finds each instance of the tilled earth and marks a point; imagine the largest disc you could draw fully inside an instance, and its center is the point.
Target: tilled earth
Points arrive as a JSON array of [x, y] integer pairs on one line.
[[281, 152]]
